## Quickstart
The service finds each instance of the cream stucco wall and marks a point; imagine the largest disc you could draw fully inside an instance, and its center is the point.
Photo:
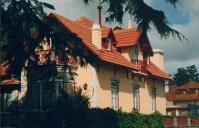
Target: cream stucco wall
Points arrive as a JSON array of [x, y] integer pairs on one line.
[[161, 100], [126, 52], [101, 83]]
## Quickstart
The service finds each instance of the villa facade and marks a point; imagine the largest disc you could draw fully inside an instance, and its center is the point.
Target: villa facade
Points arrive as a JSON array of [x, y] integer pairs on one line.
[[127, 73]]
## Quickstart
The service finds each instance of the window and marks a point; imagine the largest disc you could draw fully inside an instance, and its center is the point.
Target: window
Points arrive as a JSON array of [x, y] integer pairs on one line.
[[136, 98], [153, 95], [41, 94], [134, 53], [107, 43], [59, 84], [115, 94]]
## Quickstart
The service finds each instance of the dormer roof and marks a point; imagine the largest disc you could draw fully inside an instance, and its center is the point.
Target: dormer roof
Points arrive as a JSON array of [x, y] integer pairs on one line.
[[127, 37]]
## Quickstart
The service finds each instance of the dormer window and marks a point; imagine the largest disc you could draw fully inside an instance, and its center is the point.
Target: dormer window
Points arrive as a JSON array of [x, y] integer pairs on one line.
[[107, 43], [134, 52]]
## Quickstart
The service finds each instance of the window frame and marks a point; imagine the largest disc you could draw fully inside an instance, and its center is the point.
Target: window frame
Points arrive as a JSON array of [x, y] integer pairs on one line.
[[153, 98], [115, 94], [136, 97], [107, 43], [134, 52]]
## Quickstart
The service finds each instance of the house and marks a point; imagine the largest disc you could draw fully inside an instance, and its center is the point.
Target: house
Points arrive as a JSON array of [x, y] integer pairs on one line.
[[183, 100], [126, 73]]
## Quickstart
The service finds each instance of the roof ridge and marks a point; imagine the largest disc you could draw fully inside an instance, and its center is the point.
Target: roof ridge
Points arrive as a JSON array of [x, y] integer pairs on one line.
[[68, 19], [89, 20], [85, 18], [125, 30]]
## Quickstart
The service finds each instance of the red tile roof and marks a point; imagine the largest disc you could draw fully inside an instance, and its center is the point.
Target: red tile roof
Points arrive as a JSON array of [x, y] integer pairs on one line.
[[89, 23], [85, 22], [124, 37], [172, 95], [127, 37], [155, 71], [84, 33], [190, 85], [116, 58], [82, 28], [152, 69], [183, 97]]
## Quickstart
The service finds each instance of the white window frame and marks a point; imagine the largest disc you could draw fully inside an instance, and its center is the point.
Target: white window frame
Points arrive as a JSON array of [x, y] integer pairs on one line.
[[153, 96], [136, 97], [115, 94]]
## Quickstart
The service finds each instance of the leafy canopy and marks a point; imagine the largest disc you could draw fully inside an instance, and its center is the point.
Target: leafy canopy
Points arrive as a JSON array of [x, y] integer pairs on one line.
[[185, 75], [144, 15]]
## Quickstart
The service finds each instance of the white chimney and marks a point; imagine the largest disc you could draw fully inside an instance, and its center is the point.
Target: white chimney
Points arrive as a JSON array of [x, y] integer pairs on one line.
[[97, 36], [158, 58], [129, 24]]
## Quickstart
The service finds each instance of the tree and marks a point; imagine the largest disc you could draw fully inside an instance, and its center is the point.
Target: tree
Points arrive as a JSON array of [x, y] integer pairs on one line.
[[25, 17], [185, 75], [23, 28], [20, 21], [193, 73], [144, 15]]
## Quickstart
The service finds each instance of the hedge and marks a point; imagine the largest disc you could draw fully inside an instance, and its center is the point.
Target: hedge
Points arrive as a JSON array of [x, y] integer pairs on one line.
[[108, 118], [73, 112]]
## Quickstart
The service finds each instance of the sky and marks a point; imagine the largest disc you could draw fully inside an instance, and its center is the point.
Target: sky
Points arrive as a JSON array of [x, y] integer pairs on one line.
[[185, 18]]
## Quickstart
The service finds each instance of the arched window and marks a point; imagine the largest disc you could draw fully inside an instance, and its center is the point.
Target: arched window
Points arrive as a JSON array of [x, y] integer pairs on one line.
[[153, 96], [115, 94], [136, 97]]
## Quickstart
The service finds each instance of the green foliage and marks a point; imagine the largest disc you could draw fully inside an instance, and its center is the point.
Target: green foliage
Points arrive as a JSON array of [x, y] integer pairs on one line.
[[102, 118], [72, 111], [138, 120], [144, 15], [185, 75], [20, 22]]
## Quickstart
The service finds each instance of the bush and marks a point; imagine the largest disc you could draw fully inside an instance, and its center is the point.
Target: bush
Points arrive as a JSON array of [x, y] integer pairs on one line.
[[138, 120], [73, 112]]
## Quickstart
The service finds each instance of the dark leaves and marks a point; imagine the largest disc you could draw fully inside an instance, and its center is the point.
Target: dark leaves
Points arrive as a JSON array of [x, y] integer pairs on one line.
[[48, 5], [172, 2], [185, 75], [144, 15], [18, 20]]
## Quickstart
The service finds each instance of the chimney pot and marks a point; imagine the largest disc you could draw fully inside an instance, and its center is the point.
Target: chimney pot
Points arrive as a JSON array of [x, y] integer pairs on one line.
[[100, 16], [129, 24]]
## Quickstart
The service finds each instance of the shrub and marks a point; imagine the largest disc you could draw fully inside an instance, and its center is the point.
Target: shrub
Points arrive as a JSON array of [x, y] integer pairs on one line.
[[73, 112], [138, 120]]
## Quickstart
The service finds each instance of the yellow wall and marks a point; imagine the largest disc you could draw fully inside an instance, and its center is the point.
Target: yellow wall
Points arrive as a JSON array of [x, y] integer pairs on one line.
[[126, 52], [161, 100], [103, 88]]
